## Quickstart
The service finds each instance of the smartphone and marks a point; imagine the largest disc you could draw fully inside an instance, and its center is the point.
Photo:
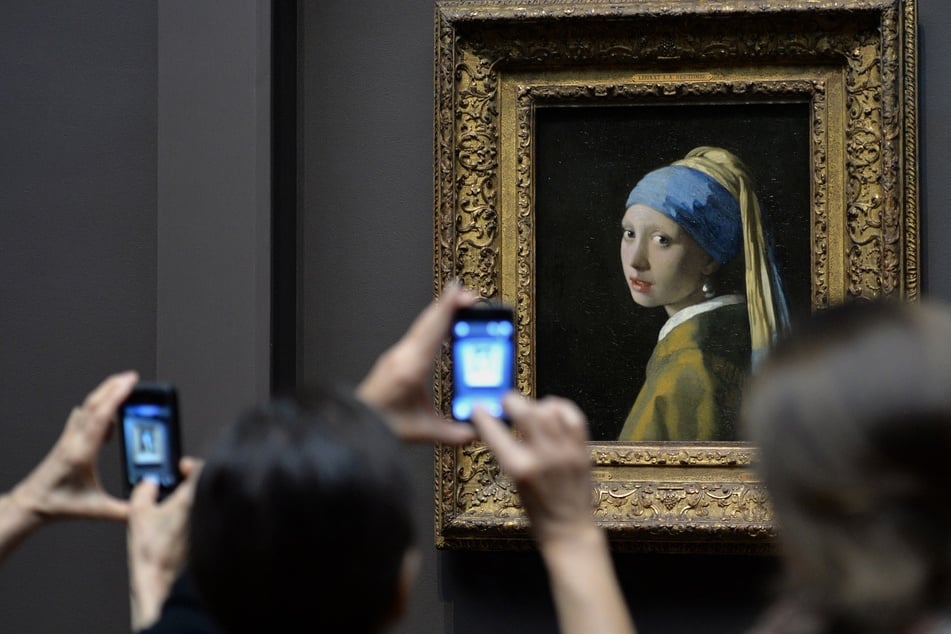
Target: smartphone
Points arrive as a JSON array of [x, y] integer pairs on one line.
[[151, 441], [483, 359]]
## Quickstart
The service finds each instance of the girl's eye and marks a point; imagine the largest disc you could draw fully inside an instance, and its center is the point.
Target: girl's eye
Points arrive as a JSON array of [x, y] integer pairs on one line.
[[627, 233], [662, 240]]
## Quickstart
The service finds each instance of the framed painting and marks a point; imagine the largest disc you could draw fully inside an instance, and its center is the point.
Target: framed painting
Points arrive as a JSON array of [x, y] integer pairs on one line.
[[547, 115]]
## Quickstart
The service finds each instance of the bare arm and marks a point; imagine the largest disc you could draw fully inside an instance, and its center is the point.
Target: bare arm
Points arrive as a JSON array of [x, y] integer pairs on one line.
[[551, 467], [584, 585], [66, 482]]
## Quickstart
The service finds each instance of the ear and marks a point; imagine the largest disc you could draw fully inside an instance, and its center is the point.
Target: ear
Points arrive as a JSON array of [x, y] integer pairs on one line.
[[404, 584], [711, 267]]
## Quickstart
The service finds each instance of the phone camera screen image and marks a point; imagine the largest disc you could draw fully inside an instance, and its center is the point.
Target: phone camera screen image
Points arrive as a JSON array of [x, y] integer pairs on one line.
[[150, 443], [483, 361]]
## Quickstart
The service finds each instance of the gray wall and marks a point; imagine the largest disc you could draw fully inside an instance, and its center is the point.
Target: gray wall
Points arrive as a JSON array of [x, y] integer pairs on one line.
[[133, 233], [77, 273]]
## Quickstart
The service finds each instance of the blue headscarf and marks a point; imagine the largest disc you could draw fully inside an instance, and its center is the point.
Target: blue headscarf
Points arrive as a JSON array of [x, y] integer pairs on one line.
[[696, 202]]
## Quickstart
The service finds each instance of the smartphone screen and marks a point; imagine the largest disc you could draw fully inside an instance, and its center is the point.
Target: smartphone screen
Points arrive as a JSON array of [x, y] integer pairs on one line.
[[150, 446], [483, 359]]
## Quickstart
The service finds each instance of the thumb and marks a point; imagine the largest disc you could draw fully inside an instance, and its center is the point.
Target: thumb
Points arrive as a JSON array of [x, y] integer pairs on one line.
[[144, 495], [512, 457]]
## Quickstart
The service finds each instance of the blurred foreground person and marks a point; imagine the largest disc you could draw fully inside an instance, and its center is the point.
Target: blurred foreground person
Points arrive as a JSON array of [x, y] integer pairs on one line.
[[853, 418]]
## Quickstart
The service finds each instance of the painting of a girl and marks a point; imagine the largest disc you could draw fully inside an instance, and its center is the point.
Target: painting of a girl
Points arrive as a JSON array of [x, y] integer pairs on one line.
[[685, 226]]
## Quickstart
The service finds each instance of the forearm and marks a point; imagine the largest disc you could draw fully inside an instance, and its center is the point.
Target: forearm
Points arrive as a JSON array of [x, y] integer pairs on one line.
[[17, 520], [149, 586], [585, 588]]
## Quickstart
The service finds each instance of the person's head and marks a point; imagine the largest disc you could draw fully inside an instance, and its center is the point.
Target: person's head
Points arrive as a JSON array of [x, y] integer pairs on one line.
[[301, 520], [682, 223], [852, 415]]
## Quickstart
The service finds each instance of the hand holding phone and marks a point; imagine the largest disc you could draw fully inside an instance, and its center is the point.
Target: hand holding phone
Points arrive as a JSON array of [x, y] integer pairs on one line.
[[483, 359], [151, 443]]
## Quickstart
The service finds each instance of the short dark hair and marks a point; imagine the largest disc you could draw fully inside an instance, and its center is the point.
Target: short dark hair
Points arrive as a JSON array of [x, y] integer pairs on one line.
[[301, 518]]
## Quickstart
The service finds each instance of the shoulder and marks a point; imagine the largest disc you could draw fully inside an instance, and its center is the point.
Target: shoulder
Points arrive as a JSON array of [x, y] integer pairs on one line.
[[730, 321], [723, 331]]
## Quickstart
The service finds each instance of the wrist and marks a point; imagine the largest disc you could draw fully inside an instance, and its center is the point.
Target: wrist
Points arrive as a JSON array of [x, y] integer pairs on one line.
[[587, 595], [149, 585], [17, 521], [578, 540], [24, 505], [145, 604], [386, 385]]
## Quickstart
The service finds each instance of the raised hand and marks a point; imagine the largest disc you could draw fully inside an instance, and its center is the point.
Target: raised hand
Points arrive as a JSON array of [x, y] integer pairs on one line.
[[551, 466], [398, 383], [66, 482]]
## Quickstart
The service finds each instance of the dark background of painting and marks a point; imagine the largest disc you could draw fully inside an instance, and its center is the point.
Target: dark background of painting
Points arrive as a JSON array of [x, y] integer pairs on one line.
[[593, 341]]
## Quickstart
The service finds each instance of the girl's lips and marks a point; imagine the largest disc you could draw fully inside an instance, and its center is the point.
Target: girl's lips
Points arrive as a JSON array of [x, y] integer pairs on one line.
[[640, 285]]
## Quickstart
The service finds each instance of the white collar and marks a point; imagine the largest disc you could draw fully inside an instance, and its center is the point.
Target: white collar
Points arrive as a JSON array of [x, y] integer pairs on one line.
[[689, 312]]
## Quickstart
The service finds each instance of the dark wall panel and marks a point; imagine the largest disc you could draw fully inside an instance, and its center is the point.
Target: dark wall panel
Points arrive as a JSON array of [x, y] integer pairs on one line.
[[934, 19], [213, 236], [77, 273], [365, 225]]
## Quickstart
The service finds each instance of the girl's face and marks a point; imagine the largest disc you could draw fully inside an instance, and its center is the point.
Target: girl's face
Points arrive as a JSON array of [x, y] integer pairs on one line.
[[663, 265]]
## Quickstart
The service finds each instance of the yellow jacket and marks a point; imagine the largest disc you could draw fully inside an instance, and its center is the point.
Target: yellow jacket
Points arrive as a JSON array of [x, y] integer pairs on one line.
[[694, 380]]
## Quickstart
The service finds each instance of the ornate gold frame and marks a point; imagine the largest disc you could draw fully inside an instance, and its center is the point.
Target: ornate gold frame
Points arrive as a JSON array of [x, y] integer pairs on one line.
[[853, 61]]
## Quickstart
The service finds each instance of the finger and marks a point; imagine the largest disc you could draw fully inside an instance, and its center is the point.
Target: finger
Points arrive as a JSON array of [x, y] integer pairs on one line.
[[557, 421], [97, 393], [550, 420], [190, 467], [101, 392], [432, 325], [540, 426], [103, 403], [511, 455], [105, 391], [144, 495], [119, 390], [110, 508], [454, 433], [430, 428], [183, 494], [523, 412], [572, 418]]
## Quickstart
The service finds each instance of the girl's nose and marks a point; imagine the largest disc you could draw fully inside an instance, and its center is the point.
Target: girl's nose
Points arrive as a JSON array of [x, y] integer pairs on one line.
[[637, 254]]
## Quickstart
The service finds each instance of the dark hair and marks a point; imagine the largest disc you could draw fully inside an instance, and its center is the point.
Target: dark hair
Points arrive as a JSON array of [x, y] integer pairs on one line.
[[852, 415], [301, 519]]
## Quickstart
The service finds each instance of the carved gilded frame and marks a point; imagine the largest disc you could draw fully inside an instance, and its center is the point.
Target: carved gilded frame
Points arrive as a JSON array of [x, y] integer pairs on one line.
[[853, 61]]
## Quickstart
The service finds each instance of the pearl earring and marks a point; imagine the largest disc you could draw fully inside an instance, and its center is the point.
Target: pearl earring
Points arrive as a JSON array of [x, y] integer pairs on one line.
[[708, 289]]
